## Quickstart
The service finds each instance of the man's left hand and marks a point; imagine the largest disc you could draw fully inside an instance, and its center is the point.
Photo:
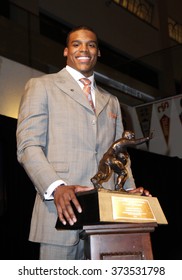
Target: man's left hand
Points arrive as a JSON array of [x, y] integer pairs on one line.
[[140, 191]]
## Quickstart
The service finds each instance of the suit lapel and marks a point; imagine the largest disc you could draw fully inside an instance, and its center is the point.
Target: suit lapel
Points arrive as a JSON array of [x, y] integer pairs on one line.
[[101, 99], [66, 83]]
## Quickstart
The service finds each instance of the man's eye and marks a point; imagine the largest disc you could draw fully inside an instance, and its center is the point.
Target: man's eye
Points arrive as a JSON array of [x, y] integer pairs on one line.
[[92, 45], [75, 45]]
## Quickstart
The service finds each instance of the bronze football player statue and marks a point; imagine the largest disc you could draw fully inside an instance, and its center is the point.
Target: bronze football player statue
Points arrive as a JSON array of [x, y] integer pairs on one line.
[[115, 160]]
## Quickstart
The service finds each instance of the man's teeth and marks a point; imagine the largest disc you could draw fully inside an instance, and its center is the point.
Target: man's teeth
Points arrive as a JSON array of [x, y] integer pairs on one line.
[[83, 57]]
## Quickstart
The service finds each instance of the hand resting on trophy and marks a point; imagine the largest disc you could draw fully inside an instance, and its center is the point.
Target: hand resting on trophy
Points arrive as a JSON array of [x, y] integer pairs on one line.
[[115, 160]]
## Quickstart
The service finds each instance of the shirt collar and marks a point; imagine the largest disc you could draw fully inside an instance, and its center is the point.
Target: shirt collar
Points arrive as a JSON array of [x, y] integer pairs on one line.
[[77, 75]]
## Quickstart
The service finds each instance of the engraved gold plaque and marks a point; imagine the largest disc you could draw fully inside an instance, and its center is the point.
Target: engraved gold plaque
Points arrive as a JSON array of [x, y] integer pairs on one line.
[[117, 207], [133, 208]]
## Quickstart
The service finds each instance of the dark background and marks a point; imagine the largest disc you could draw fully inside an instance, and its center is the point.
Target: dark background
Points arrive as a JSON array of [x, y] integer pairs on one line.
[[157, 173]]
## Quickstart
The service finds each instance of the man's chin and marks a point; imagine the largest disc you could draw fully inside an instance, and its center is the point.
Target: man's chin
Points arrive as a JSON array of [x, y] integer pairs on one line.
[[86, 71]]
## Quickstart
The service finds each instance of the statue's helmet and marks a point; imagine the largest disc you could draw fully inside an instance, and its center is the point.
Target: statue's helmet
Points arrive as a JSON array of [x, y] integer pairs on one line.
[[128, 134]]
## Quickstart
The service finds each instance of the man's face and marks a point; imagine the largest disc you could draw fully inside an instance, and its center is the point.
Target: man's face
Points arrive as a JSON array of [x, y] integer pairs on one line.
[[82, 51]]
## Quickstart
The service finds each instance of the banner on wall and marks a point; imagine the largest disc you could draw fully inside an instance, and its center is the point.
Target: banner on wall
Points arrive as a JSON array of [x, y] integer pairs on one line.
[[164, 119], [163, 110], [178, 105], [144, 114], [175, 140]]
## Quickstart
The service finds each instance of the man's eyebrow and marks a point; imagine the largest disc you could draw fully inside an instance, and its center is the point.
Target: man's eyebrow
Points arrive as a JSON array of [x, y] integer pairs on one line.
[[79, 41]]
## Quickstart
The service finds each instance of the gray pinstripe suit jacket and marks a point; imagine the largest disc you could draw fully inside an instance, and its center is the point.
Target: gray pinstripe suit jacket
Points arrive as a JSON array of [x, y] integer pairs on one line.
[[60, 137]]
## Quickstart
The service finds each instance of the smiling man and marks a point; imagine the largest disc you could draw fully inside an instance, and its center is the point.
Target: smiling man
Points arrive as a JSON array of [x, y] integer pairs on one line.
[[82, 51], [60, 141]]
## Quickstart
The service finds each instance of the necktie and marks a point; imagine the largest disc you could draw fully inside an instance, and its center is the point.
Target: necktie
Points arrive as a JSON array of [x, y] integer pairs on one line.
[[87, 90]]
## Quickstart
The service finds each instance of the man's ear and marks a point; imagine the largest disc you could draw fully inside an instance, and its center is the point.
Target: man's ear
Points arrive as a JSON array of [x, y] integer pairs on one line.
[[99, 54], [65, 53]]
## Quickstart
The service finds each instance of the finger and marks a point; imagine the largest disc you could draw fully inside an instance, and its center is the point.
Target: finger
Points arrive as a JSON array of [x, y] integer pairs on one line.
[[74, 199], [64, 209], [147, 193], [77, 205], [61, 217], [83, 189], [66, 214], [69, 214], [137, 190]]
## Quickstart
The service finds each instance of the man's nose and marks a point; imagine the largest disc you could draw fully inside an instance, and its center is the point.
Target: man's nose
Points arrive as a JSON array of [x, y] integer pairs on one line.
[[83, 48]]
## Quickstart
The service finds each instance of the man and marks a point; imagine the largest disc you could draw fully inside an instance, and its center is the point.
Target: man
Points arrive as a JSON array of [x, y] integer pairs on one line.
[[60, 140]]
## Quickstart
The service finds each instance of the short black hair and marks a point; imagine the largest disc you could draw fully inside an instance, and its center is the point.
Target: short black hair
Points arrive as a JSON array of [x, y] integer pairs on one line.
[[81, 27]]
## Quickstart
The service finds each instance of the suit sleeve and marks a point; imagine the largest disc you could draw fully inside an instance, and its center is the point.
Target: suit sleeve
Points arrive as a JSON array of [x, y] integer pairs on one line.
[[31, 136]]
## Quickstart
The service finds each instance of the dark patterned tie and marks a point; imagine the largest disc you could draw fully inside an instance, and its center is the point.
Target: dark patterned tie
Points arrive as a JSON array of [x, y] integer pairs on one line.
[[87, 90]]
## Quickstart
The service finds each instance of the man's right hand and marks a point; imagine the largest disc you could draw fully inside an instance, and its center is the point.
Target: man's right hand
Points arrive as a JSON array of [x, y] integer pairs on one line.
[[63, 196]]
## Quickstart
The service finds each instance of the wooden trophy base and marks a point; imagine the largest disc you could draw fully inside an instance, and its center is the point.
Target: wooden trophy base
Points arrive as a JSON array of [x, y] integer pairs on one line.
[[116, 225], [121, 241]]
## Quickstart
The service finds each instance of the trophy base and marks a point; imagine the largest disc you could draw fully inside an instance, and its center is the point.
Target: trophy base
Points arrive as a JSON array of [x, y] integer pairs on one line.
[[106, 206]]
